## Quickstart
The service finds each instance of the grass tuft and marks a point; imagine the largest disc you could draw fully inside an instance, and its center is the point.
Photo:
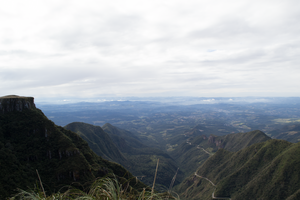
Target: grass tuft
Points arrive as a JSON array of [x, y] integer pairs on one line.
[[102, 189]]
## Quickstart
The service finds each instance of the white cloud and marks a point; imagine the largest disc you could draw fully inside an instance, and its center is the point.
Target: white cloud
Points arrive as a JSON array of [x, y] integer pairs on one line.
[[147, 48]]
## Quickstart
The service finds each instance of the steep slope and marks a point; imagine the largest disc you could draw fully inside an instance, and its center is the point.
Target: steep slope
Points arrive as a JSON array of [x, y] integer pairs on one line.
[[30, 142], [125, 140], [238, 141], [194, 151], [268, 170], [98, 140], [142, 159]]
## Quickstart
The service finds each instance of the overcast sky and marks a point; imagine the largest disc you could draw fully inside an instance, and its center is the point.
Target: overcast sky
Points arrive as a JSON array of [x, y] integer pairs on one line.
[[95, 48]]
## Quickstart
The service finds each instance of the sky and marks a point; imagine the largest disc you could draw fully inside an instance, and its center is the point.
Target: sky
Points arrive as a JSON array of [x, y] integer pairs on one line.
[[201, 48]]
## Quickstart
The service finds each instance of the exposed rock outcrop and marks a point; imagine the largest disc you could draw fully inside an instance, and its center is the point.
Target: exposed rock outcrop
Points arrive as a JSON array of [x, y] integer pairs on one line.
[[12, 103], [219, 143], [211, 139]]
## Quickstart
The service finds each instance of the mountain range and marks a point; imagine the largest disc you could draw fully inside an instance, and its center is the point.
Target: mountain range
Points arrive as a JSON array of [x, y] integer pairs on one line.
[[208, 161]]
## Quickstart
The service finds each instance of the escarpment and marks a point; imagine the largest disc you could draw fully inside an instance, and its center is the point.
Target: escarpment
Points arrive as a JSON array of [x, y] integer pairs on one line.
[[29, 141], [12, 103]]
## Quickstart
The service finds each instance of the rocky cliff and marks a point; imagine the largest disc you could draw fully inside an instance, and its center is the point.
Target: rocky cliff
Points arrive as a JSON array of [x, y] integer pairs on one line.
[[29, 141], [12, 103]]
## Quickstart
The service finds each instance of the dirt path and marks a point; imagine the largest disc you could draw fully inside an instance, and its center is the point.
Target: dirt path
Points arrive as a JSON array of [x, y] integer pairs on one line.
[[189, 143], [206, 179], [213, 194], [204, 150]]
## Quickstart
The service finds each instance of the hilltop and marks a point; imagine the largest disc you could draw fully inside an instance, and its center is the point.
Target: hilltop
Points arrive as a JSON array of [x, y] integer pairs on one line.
[[12, 103], [194, 151]]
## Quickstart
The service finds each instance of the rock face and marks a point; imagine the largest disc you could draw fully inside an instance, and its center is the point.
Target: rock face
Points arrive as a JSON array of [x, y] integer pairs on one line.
[[212, 139], [14, 103]]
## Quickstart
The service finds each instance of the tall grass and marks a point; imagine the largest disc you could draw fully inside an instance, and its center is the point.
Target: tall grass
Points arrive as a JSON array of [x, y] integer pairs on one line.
[[106, 188], [102, 189]]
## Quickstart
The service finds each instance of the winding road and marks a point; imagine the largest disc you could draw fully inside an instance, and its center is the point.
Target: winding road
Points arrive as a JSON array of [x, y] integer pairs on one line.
[[206, 179], [204, 150], [189, 143], [213, 194]]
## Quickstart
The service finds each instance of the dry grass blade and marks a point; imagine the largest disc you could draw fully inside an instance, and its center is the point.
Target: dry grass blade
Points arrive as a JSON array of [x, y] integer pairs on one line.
[[41, 183], [152, 191]]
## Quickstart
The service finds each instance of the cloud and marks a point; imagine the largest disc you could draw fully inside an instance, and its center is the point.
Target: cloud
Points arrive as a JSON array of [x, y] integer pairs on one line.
[[129, 48]]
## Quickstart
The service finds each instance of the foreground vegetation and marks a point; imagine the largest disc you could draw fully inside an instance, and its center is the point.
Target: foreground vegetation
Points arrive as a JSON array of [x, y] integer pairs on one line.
[[103, 188]]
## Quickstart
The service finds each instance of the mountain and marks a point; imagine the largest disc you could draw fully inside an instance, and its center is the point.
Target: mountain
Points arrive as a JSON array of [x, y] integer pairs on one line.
[[142, 160], [194, 151], [125, 140], [98, 140], [209, 127], [267, 170], [30, 142]]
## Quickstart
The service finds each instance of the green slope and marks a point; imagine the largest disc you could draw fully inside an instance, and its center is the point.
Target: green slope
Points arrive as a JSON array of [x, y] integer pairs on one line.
[[141, 159], [194, 151], [144, 158], [268, 170], [125, 140], [98, 140], [238, 141], [29, 141]]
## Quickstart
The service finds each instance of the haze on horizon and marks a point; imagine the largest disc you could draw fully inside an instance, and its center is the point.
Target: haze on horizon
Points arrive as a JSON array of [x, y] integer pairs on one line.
[[91, 49]]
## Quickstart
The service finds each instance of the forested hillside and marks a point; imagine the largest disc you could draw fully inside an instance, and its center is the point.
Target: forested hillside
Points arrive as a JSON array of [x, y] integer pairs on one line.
[[212, 158], [141, 159], [194, 151], [268, 170], [30, 142]]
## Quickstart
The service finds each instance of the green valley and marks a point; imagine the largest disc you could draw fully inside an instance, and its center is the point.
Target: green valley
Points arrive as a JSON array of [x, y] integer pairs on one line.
[[137, 157]]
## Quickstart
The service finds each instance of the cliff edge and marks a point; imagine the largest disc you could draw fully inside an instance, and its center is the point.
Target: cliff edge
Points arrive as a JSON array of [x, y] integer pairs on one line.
[[12, 103]]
